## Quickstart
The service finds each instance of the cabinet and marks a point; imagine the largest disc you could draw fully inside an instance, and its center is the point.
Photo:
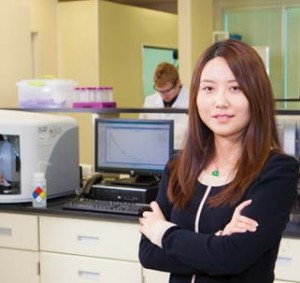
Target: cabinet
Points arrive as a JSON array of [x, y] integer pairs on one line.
[[288, 261], [19, 254], [47, 249], [75, 249]]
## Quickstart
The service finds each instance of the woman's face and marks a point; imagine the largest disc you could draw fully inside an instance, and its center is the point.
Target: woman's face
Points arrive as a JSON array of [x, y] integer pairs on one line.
[[222, 105]]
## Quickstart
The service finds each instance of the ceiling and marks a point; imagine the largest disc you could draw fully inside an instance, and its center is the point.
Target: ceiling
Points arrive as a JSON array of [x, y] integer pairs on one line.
[[169, 6]]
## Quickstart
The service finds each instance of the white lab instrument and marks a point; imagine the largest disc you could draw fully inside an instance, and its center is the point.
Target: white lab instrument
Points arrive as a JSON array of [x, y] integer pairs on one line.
[[35, 142]]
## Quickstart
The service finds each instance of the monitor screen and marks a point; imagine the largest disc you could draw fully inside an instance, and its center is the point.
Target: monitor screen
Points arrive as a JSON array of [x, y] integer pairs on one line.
[[133, 146]]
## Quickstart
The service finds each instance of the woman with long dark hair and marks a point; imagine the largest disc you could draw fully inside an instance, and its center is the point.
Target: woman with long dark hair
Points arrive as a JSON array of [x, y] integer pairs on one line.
[[231, 170]]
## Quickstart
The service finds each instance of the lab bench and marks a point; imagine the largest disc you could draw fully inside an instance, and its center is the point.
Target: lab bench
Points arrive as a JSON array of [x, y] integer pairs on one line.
[[55, 245]]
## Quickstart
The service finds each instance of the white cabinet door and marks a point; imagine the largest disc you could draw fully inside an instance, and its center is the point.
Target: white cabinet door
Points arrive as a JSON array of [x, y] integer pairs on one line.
[[288, 261], [61, 268], [152, 276], [19, 266]]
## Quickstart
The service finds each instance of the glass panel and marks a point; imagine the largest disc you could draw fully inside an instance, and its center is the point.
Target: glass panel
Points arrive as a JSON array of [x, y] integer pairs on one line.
[[292, 56], [10, 166], [261, 27]]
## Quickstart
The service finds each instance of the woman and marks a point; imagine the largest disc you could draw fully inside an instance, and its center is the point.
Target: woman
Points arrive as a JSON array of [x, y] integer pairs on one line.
[[231, 155]]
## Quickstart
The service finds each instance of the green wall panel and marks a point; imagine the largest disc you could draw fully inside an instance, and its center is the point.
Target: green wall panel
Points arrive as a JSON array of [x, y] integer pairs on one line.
[[152, 56], [261, 27]]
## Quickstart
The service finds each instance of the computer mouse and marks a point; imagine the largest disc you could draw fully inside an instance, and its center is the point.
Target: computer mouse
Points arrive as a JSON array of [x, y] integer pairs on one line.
[[143, 209]]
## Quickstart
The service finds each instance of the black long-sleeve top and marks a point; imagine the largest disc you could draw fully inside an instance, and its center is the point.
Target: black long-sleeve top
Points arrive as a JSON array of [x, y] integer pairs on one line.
[[203, 257]]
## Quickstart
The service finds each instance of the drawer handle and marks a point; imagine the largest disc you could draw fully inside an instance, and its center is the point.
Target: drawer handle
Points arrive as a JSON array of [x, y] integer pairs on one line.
[[95, 276], [88, 239], [4, 231]]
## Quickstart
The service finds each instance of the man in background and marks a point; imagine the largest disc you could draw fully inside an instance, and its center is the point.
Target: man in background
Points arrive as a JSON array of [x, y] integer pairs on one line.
[[169, 92]]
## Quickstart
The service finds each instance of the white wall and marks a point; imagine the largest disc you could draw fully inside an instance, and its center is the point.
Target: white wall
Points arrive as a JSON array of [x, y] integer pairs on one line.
[[15, 49], [18, 19]]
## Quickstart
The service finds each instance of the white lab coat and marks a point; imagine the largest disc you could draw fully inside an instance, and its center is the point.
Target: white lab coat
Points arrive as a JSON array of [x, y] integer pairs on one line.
[[180, 120]]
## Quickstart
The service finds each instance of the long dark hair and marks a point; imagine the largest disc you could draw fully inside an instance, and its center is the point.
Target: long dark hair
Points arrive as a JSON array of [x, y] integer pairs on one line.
[[259, 137]]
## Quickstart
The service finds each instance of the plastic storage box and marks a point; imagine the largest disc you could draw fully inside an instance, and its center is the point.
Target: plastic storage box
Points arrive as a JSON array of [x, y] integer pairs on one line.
[[45, 93]]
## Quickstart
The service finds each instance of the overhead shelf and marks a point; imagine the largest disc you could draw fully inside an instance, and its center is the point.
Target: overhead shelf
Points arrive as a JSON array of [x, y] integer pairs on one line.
[[132, 110]]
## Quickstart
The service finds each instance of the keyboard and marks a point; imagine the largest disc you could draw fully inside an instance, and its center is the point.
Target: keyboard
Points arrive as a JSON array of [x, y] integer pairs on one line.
[[106, 206]]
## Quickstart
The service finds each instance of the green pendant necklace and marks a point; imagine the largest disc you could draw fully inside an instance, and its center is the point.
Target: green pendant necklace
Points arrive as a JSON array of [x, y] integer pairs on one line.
[[216, 172]]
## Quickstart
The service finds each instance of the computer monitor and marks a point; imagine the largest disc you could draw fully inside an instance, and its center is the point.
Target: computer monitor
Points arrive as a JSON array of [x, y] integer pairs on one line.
[[138, 147]]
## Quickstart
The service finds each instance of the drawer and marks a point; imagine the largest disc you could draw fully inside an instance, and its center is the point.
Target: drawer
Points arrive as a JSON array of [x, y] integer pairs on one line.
[[60, 268], [19, 231], [288, 260], [115, 240]]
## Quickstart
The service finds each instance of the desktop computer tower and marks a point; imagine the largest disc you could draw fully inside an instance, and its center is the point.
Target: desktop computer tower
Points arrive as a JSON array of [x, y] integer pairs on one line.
[[137, 194]]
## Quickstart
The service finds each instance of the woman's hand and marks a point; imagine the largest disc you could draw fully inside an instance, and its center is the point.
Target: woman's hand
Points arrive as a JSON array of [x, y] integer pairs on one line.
[[239, 223], [149, 218], [153, 224]]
